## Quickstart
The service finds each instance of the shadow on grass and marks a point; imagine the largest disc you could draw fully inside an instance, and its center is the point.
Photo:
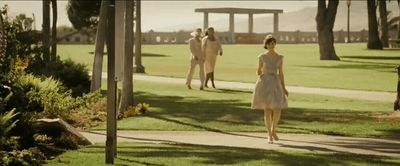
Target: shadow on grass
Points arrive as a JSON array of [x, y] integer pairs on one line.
[[143, 54], [354, 64], [159, 154], [218, 115], [372, 57], [229, 91]]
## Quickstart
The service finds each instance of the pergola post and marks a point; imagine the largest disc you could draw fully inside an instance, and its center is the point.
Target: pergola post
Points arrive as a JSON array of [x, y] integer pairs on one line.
[[276, 23], [233, 11], [205, 23], [232, 26], [251, 23]]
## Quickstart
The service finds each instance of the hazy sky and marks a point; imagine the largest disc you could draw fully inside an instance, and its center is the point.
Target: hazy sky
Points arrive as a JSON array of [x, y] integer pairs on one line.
[[159, 15]]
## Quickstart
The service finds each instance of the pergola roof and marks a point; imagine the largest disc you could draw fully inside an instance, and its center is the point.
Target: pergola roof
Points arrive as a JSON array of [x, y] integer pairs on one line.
[[238, 10]]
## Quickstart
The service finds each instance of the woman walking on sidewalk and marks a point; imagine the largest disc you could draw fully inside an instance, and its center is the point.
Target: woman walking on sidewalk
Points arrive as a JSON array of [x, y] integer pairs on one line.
[[270, 93], [211, 48]]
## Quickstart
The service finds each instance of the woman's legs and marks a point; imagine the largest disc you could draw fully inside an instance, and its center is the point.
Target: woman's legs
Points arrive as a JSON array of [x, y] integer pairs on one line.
[[275, 119], [268, 123], [212, 79], [207, 78]]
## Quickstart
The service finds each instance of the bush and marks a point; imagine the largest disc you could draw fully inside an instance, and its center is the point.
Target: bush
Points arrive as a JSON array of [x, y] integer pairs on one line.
[[6, 124], [91, 112], [73, 75], [49, 93], [26, 157], [14, 43], [139, 109], [66, 141]]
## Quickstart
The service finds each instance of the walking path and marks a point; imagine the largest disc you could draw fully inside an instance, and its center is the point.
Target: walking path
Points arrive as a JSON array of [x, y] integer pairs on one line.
[[300, 142], [353, 94]]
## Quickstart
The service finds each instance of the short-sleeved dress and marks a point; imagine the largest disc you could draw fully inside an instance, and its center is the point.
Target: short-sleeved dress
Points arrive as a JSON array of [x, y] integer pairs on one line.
[[268, 92]]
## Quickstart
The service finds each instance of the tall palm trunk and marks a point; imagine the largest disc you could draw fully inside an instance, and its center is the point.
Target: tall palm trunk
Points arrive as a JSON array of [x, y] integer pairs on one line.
[[383, 23], [53, 55], [138, 40], [325, 21], [46, 31], [127, 88], [373, 35], [398, 24], [99, 50]]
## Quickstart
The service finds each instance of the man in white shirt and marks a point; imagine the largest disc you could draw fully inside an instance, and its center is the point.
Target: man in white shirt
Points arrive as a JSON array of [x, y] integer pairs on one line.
[[197, 58]]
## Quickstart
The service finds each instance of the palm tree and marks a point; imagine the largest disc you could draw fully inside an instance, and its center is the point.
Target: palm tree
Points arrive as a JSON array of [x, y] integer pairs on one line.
[[138, 40], [127, 88], [325, 21], [383, 23], [348, 21], [373, 35], [46, 30], [54, 32]]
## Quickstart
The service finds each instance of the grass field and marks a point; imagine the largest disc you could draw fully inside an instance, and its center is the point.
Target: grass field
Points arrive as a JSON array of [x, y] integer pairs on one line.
[[183, 155], [359, 69], [173, 107]]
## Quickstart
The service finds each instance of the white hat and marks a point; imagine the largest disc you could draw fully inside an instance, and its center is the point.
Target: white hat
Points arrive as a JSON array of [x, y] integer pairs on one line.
[[195, 33], [269, 36]]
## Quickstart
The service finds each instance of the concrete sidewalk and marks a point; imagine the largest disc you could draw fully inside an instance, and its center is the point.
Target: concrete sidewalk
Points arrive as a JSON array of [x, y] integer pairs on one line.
[[300, 142], [353, 94]]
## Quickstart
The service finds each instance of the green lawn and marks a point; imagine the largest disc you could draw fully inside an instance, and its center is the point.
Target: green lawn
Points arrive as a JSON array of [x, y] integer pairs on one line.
[[360, 68], [183, 155], [173, 107]]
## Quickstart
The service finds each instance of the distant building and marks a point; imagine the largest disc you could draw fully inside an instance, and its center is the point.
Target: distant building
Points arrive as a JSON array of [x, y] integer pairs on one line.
[[75, 38]]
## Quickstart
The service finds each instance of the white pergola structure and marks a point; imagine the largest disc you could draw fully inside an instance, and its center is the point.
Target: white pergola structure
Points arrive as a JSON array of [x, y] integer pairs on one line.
[[233, 11]]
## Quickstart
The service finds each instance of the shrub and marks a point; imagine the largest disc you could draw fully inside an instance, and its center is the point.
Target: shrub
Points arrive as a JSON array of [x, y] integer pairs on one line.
[[55, 100], [139, 109], [73, 75], [66, 141], [26, 157], [91, 112]]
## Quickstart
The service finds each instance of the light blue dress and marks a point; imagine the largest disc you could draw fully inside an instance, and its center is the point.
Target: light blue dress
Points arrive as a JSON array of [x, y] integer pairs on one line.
[[268, 92]]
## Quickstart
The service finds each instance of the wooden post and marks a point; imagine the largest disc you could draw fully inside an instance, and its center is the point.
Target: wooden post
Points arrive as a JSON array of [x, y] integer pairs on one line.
[[111, 87], [99, 50]]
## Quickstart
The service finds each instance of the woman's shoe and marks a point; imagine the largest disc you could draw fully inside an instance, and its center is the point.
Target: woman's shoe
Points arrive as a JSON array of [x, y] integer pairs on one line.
[[270, 140], [276, 138]]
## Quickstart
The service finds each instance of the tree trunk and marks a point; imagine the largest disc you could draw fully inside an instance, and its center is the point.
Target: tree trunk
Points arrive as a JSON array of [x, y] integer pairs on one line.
[[54, 32], [46, 30], [325, 21], [3, 42], [138, 40], [99, 50], [383, 23], [127, 88], [398, 24], [373, 35]]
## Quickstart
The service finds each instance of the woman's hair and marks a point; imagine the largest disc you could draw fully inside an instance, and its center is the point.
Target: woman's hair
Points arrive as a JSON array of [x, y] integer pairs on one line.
[[269, 39], [209, 28]]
